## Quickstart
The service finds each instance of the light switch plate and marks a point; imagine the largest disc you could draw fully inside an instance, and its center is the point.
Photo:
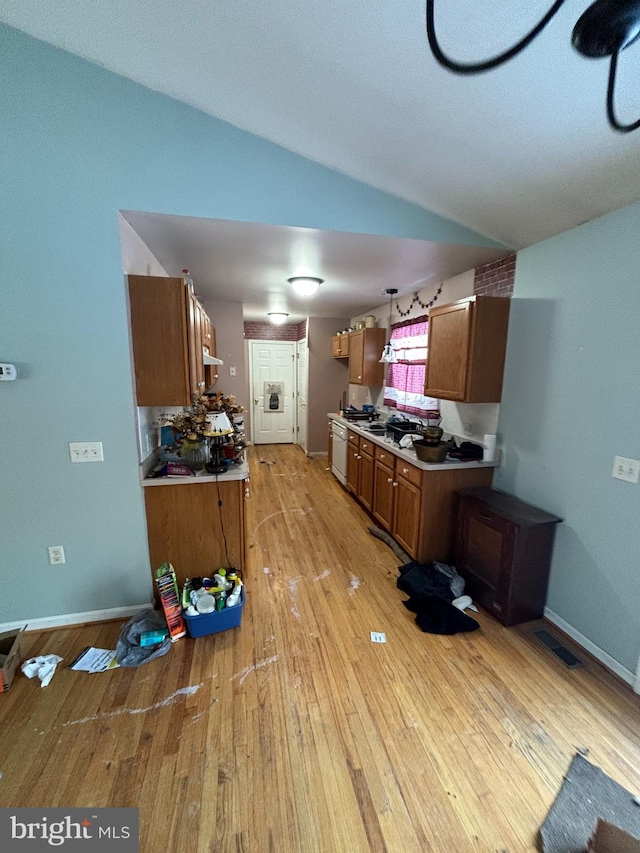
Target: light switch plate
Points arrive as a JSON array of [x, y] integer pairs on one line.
[[626, 469], [86, 451]]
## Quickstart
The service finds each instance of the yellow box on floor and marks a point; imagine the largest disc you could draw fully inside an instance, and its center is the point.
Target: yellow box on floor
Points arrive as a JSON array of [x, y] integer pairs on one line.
[[10, 657]]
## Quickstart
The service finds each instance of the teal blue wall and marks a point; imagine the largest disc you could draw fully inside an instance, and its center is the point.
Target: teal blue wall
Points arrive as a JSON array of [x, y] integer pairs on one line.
[[571, 403], [77, 144]]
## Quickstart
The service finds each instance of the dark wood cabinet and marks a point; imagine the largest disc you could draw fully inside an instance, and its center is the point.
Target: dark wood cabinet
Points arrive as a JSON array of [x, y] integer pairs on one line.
[[503, 550]]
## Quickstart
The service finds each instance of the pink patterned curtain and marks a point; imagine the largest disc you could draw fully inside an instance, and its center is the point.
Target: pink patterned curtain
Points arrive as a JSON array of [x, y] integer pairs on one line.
[[405, 379]]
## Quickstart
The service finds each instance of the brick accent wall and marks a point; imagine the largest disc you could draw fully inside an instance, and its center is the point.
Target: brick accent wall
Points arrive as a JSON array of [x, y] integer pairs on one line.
[[496, 278], [269, 332]]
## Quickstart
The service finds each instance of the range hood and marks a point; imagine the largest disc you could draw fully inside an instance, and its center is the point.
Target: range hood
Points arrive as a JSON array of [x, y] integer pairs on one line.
[[209, 359]]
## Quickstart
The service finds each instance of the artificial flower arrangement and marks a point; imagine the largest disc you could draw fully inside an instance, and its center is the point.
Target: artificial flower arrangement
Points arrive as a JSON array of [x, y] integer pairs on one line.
[[193, 424]]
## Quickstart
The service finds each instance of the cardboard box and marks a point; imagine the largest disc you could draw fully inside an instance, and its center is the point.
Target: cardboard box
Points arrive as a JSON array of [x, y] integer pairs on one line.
[[12, 655]]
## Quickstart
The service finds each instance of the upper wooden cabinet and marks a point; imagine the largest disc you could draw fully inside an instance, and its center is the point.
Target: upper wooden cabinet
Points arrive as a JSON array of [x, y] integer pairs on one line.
[[167, 323], [340, 346], [365, 349], [467, 345]]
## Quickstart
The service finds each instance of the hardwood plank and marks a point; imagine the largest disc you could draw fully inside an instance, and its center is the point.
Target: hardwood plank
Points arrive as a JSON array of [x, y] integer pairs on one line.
[[293, 732]]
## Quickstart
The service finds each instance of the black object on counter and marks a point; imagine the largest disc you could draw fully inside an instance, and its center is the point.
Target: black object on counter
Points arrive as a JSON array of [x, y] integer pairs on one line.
[[467, 451]]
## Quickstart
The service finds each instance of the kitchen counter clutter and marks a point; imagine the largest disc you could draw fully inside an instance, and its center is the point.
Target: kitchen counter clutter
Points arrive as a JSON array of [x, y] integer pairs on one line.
[[412, 500], [408, 455], [234, 472]]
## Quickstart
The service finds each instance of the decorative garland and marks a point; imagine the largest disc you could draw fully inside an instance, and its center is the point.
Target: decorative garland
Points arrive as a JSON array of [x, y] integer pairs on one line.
[[422, 304]]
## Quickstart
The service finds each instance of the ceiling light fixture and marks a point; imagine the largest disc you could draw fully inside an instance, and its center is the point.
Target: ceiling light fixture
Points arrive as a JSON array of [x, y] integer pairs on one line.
[[278, 317], [305, 285], [605, 29], [388, 354]]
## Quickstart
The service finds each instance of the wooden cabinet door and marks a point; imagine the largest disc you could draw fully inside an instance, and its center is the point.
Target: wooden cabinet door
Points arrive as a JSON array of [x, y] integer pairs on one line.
[[406, 514], [336, 348], [158, 311], [365, 479], [353, 467], [356, 358], [185, 526], [344, 346], [448, 353], [383, 494], [194, 336]]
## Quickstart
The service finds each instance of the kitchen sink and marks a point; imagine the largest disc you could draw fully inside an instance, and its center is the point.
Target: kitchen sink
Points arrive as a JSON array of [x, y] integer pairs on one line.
[[401, 428]]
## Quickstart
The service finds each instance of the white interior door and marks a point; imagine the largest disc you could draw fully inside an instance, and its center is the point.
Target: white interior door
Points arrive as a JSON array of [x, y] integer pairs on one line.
[[272, 391], [301, 395]]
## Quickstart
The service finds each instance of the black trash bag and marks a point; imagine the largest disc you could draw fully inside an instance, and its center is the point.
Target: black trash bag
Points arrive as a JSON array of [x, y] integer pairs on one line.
[[437, 616], [417, 579], [129, 652]]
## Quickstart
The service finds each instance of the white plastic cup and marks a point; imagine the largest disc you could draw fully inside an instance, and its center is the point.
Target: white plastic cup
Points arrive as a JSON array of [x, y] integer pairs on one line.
[[489, 448]]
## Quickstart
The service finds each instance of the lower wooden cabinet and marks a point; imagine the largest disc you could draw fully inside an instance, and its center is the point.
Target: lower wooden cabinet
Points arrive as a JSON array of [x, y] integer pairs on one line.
[[360, 469], [416, 505], [503, 550], [186, 527]]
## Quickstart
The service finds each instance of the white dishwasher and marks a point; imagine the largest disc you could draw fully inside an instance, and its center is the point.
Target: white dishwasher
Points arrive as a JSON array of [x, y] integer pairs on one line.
[[339, 452]]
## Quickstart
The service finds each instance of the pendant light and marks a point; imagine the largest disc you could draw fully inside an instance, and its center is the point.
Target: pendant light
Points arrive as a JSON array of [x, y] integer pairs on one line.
[[388, 353]]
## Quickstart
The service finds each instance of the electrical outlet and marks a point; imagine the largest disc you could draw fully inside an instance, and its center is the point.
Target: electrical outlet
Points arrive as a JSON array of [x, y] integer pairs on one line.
[[56, 555], [626, 469], [468, 427], [232, 371], [86, 451]]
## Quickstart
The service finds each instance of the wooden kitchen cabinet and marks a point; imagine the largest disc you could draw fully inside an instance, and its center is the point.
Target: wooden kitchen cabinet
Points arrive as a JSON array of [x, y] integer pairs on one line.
[[365, 349], [467, 346], [360, 469], [185, 526], [365, 474], [340, 346], [503, 550], [416, 505], [167, 341]]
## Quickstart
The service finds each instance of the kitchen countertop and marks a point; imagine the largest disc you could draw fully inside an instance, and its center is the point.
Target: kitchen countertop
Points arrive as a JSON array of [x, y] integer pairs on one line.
[[408, 455], [235, 472]]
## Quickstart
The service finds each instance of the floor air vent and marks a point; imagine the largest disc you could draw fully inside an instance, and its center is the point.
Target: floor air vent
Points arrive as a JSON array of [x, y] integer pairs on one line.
[[555, 646]]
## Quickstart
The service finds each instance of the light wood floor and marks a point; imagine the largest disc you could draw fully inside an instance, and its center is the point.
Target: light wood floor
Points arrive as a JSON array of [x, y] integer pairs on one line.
[[294, 732]]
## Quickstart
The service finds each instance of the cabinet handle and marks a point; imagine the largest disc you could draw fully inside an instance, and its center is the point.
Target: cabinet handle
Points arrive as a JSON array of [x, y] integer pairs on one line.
[[484, 516], [389, 480], [246, 493], [358, 457], [383, 456], [394, 485], [359, 377], [405, 470]]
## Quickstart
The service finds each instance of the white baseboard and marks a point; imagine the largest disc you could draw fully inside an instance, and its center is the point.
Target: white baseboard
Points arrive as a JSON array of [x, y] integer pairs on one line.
[[67, 619], [598, 653]]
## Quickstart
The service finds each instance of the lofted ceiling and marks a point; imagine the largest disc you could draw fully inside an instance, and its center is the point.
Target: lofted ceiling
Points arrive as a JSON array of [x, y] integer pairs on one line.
[[518, 154]]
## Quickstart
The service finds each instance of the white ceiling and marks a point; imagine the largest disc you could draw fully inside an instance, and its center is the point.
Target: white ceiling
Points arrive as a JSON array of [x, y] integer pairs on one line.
[[519, 154], [251, 262]]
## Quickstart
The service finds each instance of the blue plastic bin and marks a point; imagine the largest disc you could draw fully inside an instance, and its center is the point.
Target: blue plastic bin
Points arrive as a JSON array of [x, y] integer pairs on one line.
[[212, 623]]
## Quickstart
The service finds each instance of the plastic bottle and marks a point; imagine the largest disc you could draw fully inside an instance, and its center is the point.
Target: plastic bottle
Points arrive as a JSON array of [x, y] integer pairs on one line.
[[187, 279], [220, 578], [234, 597]]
